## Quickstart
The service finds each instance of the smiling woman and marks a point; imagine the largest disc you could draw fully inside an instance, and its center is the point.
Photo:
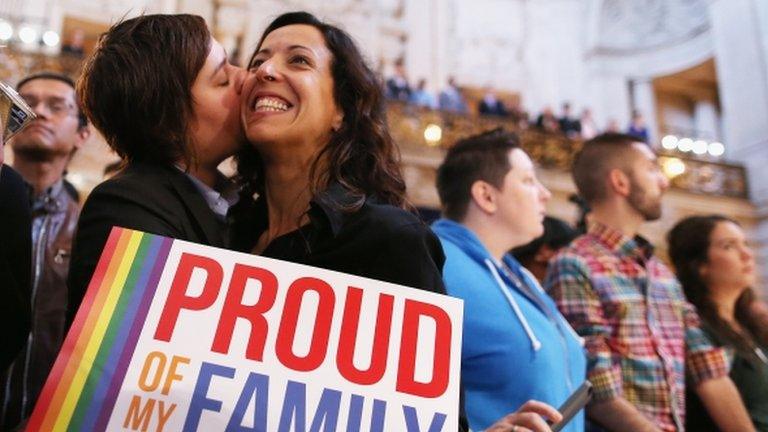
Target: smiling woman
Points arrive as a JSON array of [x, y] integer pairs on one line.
[[322, 160]]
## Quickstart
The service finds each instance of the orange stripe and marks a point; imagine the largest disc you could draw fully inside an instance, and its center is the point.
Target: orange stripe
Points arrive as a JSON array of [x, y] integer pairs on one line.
[[43, 402], [77, 353]]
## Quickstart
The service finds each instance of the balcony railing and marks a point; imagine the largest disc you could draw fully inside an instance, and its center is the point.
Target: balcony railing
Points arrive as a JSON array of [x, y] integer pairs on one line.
[[409, 123]]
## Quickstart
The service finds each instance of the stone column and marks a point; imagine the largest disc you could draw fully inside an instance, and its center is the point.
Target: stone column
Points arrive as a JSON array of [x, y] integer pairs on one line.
[[740, 29], [427, 48], [645, 102], [706, 120]]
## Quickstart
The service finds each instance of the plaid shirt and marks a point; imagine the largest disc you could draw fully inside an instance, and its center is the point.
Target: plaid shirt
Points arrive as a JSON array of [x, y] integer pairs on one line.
[[641, 334]]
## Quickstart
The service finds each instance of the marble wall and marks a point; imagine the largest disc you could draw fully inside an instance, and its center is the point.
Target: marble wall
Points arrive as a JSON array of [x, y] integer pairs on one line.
[[740, 30]]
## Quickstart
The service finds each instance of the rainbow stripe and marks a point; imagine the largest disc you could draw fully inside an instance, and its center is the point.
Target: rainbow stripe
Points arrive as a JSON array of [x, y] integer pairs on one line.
[[82, 387]]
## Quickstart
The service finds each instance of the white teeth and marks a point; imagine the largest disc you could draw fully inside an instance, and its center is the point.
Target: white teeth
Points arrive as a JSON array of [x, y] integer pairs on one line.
[[270, 104]]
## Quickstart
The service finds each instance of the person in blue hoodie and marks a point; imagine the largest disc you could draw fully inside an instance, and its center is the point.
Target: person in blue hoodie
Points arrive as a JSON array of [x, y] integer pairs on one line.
[[517, 347]]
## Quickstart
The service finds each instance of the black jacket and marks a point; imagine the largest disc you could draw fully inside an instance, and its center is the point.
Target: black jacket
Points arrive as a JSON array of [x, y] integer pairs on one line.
[[15, 263], [54, 219], [156, 199], [377, 241]]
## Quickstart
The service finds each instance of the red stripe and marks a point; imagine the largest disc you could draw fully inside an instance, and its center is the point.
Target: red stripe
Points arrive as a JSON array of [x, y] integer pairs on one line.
[[68, 357]]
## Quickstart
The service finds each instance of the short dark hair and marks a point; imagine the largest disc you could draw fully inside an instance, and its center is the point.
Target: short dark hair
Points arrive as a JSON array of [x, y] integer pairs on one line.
[[595, 160], [557, 234], [136, 86], [361, 155], [479, 157], [82, 119]]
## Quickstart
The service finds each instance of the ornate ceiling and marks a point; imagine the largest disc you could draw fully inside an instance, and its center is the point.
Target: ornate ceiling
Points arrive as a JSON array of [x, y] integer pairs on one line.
[[632, 26]]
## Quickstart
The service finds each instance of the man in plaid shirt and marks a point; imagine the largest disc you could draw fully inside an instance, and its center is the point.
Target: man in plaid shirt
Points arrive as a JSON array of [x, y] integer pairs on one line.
[[642, 336]]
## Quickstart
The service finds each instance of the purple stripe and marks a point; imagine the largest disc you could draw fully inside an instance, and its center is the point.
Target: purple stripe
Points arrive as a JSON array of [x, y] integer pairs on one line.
[[121, 367], [108, 367]]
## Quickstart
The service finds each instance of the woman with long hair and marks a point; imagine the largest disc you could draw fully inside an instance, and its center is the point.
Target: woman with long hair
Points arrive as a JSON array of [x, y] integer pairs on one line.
[[716, 268], [326, 170], [323, 162]]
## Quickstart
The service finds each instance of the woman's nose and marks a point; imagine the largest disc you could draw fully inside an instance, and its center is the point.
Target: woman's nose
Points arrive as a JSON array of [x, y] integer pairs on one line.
[[544, 193], [664, 183], [267, 71], [746, 253]]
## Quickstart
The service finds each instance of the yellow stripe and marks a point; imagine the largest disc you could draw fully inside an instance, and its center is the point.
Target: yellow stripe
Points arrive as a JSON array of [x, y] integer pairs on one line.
[[89, 355]]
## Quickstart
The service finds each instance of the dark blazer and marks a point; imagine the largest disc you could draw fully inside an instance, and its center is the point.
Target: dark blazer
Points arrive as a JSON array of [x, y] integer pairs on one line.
[[377, 241], [155, 199], [15, 263], [496, 108]]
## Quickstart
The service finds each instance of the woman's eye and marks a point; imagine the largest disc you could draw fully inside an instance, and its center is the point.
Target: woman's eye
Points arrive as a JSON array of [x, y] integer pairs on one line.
[[255, 64], [300, 60]]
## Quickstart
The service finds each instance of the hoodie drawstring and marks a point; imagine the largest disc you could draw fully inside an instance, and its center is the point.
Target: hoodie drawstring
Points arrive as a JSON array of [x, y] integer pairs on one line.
[[502, 286], [561, 320]]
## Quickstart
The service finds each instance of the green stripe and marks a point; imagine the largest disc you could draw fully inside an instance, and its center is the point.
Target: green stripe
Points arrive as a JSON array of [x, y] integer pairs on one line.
[[97, 370]]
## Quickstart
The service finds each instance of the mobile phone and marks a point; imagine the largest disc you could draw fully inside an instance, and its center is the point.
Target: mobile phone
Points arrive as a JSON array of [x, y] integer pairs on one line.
[[575, 403], [15, 114]]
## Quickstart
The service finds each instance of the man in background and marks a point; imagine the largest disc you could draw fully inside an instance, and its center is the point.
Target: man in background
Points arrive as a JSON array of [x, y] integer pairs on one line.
[[643, 339], [41, 153]]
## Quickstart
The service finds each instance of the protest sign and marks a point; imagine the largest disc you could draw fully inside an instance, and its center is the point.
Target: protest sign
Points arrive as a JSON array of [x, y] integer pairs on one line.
[[177, 336]]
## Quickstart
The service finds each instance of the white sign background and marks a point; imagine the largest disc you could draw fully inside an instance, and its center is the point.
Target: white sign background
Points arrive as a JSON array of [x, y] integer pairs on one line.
[[195, 329]]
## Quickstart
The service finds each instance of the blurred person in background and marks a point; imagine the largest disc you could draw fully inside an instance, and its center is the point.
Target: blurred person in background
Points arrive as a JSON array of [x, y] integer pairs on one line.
[[569, 125], [716, 267], [41, 153], [422, 97], [637, 127], [491, 105], [397, 86], [535, 255], [451, 99]]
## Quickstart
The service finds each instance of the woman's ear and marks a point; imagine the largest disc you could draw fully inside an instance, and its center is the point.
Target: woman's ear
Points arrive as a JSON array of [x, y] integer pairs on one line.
[[484, 196], [703, 270], [338, 120]]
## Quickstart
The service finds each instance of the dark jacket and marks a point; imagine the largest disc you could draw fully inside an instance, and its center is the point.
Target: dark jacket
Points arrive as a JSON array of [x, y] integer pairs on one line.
[[156, 199], [495, 108], [748, 371], [377, 241], [15, 263], [54, 218]]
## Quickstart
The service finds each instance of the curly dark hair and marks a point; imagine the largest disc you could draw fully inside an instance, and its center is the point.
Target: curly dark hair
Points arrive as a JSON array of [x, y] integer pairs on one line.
[[688, 248], [361, 156]]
